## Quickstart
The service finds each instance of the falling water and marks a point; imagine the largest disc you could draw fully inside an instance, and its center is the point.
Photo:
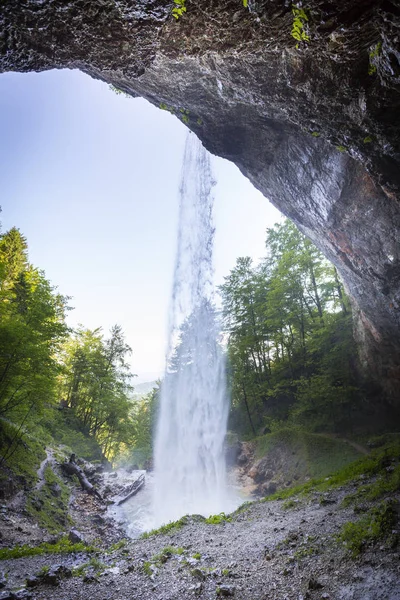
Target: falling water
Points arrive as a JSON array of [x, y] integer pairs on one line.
[[189, 457]]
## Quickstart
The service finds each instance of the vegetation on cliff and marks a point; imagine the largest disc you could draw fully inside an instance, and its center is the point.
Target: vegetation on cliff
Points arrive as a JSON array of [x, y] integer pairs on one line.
[[291, 352]]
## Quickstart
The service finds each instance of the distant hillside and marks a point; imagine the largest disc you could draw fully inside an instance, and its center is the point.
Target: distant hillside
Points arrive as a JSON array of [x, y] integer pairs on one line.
[[141, 389]]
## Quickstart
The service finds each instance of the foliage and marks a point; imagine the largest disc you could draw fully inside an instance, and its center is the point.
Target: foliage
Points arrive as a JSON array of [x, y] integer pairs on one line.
[[67, 429], [25, 455], [179, 8], [290, 346], [62, 546], [118, 91], [300, 19], [218, 519], [95, 385], [377, 524], [143, 415], [32, 328]]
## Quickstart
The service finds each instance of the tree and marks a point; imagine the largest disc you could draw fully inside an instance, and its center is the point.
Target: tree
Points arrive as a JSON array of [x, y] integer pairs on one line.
[[289, 335]]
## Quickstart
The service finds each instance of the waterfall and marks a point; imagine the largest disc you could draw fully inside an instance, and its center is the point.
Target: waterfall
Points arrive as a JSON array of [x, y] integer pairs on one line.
[[189, 453]]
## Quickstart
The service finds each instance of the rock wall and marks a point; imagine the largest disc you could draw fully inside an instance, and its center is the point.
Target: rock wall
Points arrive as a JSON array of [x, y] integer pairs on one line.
[[313, 123]]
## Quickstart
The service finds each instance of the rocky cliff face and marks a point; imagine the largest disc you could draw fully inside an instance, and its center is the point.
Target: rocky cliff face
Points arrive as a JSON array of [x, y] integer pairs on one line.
[[313, 122]]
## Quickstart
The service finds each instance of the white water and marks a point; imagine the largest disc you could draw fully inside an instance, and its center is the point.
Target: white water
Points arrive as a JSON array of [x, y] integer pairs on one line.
[[190, 474]]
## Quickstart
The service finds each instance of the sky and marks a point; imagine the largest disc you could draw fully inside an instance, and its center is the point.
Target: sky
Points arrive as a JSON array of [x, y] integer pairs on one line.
[[91, 179]]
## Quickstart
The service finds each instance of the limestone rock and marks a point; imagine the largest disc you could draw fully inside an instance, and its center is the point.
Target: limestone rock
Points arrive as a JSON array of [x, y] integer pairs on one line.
[[313, 123]]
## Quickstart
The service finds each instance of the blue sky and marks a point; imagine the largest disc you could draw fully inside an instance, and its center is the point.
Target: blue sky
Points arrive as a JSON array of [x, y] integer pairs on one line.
[[91, 178]]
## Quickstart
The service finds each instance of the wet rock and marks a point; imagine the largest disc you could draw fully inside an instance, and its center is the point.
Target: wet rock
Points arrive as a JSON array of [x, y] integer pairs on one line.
[[314, 584], [18, 595], [98, 519], [197, 588], [3, 581], [198, 573], [225, 590], [75, 537], [33, 581], [315, 126]]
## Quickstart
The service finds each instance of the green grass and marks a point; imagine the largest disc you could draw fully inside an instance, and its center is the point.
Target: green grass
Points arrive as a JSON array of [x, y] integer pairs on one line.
[[147, 568], [117, 546], [63, 546], [218, 519], [377, 524], [50, 510], [165, 529], [307, 455], [374, 464], [386, 484]]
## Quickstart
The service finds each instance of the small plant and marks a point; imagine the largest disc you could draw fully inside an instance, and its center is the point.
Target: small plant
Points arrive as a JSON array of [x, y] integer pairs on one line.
[[217, 519], [315, 134], [341, 148], [367, 140], [377, 524], [166, 553], [147, 568], [245, 3], [289, 504], [118, 91], [117, 546], [300, 20], [197, 556], [179, 8], [374, 53]]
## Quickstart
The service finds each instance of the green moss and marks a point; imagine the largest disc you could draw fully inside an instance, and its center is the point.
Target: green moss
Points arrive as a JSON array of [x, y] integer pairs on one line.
[[165, 529], [49, 505], [341, 148], [373, 54], [376, 525], [289, 504], [197, 556], [218, 519], [315, 134], [63, 546], [367, 140], [385, 484]]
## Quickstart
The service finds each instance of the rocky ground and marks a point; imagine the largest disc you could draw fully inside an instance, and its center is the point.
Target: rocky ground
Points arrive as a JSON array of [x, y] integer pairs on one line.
[[272, 550]]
